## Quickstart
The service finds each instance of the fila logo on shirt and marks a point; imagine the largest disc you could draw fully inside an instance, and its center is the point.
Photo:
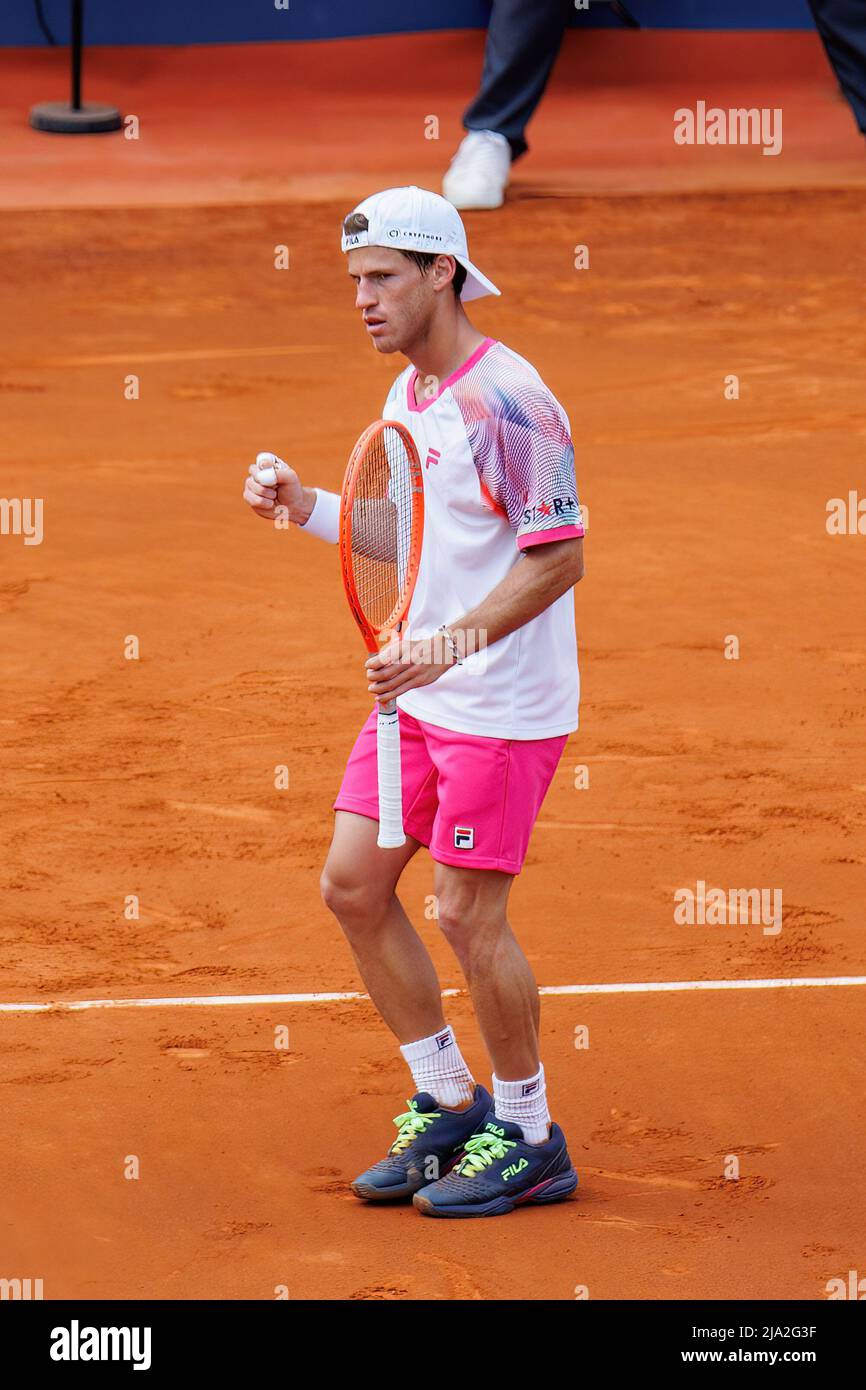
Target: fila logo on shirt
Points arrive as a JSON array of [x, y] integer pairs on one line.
[[433, 456], [557, 506], [464, 837]]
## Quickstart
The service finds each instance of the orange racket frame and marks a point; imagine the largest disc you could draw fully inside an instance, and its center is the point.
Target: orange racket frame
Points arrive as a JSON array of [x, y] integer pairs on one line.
[[391, 833]]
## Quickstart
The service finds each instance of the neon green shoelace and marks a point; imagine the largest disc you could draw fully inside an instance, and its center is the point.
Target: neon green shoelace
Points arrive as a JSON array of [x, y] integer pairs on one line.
[[410, 1125], [480, 1151]]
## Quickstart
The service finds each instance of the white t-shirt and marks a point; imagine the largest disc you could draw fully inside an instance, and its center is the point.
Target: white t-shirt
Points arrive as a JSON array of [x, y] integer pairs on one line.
[[498, 462]]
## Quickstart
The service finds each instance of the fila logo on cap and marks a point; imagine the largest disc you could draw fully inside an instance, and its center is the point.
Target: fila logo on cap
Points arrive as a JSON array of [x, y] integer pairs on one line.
[[464, 837]]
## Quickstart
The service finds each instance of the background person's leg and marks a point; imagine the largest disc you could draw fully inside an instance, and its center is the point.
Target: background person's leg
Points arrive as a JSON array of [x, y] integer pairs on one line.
[[522, 43], [523, 40], [842, 26]]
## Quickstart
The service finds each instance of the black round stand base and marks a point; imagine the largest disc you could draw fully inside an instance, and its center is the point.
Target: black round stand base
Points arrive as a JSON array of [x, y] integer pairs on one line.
[[64, 119]]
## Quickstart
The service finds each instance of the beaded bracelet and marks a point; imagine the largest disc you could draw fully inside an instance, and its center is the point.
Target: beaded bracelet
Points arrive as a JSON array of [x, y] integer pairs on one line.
[[449, 638]]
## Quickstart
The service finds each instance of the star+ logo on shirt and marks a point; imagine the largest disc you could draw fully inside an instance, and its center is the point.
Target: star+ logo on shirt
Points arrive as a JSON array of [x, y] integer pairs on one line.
[[557, 506]]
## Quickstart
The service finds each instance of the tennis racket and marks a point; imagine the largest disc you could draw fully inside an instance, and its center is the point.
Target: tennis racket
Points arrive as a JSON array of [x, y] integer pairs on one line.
[[381, 528]]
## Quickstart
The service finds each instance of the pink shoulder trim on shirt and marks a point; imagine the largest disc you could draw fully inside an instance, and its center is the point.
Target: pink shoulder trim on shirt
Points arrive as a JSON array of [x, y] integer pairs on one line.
[[556, 533], [455, 376]]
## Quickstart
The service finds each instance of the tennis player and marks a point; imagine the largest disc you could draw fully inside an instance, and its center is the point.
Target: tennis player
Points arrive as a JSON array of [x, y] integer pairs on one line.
[[487, 689]]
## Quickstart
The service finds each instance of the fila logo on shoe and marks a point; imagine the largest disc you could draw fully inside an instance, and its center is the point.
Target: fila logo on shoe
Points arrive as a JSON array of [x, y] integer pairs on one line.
[[464, 837], [513, 1169], [493, 1129]]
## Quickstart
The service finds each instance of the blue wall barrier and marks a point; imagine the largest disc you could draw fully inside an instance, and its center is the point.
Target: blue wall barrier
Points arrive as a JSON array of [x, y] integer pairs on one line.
[[246, 21]]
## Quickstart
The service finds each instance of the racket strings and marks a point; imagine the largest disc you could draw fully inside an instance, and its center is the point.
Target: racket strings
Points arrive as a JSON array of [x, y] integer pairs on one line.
[[382, 526]]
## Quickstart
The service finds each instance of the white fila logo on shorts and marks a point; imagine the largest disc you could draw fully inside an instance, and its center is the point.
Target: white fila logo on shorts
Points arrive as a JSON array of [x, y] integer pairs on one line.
[[464, 837]]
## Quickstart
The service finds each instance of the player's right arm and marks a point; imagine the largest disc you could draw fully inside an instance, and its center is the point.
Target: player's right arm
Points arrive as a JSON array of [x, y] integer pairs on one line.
[[313, 509]]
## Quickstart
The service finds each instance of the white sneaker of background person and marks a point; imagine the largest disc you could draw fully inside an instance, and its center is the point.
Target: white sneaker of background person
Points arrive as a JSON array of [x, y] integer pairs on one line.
[[478, 174]]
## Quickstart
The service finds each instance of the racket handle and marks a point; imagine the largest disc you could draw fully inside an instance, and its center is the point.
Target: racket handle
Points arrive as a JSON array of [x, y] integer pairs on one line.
[[390, 779]]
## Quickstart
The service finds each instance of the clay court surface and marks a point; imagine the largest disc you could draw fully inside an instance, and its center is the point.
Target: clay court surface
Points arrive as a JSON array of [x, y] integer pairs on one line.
[[155, 777]]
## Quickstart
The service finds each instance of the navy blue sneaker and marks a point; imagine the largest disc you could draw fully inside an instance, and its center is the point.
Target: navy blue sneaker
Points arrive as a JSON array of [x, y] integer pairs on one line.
[[499, 1171], [429, 1141]]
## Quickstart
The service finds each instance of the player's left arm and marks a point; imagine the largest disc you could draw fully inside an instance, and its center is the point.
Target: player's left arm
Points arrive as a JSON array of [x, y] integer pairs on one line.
[[542, 575]]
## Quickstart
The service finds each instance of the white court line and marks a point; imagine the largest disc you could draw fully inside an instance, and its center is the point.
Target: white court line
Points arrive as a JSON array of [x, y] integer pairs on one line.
[[186, 1001]]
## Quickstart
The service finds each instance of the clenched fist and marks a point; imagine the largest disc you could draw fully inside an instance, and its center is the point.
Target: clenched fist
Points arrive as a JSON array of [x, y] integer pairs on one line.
[[272, 484]]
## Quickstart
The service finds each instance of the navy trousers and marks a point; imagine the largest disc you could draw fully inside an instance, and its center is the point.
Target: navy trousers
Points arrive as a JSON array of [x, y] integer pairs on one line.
[[525, 36], [842, 26], [523, 39]]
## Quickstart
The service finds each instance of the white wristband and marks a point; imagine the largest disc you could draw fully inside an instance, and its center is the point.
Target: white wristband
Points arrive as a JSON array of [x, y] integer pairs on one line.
[[324, 519]]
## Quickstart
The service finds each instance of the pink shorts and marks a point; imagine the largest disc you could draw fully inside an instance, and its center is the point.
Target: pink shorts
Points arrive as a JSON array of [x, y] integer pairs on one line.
[[471, 800]]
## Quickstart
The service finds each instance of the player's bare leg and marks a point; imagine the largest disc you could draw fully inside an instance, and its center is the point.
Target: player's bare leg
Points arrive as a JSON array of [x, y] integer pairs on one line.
[[537, 1167], [472, 906], [358, 885]]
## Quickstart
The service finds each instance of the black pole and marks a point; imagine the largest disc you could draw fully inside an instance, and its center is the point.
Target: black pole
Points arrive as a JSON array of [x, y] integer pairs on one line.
[[75, 116], [77, 30]]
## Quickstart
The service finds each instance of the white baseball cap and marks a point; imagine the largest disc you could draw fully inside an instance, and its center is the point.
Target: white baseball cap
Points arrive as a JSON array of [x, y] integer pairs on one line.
[[414, 219]]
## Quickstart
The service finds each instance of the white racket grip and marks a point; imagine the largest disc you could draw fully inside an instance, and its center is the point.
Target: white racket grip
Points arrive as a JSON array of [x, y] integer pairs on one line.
[[390, 780]]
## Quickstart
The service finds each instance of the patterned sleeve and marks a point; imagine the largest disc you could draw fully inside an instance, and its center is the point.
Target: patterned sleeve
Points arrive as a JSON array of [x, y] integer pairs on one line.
[[525, 458]]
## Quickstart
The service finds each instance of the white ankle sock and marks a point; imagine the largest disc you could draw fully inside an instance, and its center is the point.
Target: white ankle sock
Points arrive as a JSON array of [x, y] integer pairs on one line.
[[438, 1067], [525, 1104]]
